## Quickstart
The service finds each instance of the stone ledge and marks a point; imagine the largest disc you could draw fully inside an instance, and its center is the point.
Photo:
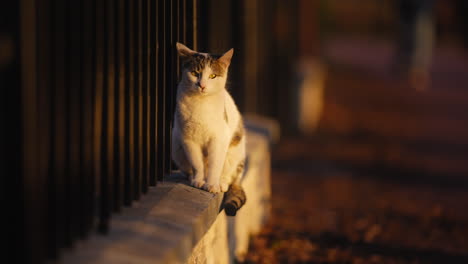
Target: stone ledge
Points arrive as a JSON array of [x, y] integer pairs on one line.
[[162, 228], [176, 223]]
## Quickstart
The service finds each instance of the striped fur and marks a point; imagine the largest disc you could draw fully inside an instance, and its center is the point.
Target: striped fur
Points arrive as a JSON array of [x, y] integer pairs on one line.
[[234, 199]]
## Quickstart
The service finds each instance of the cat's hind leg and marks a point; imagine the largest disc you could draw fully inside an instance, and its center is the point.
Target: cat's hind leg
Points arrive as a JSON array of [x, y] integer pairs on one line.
[[233, 165]]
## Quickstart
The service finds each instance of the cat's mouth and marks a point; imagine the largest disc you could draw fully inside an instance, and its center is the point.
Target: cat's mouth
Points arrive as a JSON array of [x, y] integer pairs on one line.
[[202, 90]]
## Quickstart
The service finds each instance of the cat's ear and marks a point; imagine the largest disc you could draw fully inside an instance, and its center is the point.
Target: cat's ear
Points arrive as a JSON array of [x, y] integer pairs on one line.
[[183, 51], [226, 58]]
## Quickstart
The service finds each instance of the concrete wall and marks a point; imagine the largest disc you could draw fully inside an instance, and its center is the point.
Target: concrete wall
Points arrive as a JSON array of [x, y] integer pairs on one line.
[[228, 237], [176, 223]]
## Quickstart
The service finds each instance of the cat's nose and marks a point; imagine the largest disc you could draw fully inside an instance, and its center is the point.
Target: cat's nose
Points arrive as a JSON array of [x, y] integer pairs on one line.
[[202, 87]]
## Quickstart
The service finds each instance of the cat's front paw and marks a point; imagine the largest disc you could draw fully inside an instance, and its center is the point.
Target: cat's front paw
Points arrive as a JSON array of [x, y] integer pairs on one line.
[[197, 183], [212, 188], [224, 187]]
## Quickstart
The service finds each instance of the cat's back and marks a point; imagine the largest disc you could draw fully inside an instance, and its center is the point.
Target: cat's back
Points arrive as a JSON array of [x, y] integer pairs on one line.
[[233, 117]]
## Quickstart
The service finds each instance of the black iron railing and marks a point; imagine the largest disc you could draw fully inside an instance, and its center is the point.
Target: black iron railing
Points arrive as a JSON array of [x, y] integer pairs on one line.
[[98, 110], [87, 96]]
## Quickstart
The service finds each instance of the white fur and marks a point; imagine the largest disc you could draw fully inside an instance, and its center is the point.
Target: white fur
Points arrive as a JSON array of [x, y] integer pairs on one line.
[[201, 136]]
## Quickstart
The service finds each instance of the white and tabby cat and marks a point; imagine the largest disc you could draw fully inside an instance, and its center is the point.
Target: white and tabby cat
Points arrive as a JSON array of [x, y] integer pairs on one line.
[[208, 137]]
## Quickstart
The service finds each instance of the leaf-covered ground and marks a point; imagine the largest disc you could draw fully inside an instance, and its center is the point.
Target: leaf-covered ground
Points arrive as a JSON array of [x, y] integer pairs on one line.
[[328, 215]]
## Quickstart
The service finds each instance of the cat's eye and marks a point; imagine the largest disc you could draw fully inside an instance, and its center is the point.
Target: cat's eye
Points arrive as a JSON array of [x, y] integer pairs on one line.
[[194, 73], [212, 76]]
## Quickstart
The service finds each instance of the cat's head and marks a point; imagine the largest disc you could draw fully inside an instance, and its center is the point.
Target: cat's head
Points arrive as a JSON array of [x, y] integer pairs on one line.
[[203, 73]]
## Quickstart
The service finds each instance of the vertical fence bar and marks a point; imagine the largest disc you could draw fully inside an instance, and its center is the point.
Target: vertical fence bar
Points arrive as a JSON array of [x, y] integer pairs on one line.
[[136, 99], [195, 20], [58, 112], [109, 47], [169, 28], [176, 32], [129, 131], [67, 148], [141, 95], [162, 77], [79, 54], [119, 125], [33, 205], [145, 93], [100, 114], [74, 170], [183, 20], [153, 31], [43, 105], [106, 133], [179, 36], [189, 23], [203, 21], [110, 98], [150, 72], [88, 69], [33, 232], [64, 125]]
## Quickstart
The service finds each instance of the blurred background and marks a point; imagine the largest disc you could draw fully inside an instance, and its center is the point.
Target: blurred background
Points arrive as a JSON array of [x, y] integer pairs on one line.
[[371, 97], [372, 163]]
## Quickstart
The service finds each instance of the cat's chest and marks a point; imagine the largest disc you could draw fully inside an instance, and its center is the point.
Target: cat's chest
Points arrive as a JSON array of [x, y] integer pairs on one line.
[[201, 120]]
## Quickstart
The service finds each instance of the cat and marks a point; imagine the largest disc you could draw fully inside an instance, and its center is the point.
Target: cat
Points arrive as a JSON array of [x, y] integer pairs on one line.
[[208, 136]]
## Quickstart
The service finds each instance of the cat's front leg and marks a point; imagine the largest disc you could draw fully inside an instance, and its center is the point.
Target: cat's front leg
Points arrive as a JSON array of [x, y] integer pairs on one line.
[[195, 157], [216, 156]]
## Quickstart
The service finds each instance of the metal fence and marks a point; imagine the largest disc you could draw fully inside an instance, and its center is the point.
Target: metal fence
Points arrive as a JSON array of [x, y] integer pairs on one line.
[[98, 82], [87, 97]]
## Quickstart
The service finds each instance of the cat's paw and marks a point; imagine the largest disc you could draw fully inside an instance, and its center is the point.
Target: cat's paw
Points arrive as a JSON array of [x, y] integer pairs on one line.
[[212, 188], [197, 183], [224, 187]]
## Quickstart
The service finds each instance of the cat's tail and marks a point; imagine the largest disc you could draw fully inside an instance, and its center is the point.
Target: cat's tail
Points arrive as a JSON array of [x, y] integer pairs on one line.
[[234, 199]]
